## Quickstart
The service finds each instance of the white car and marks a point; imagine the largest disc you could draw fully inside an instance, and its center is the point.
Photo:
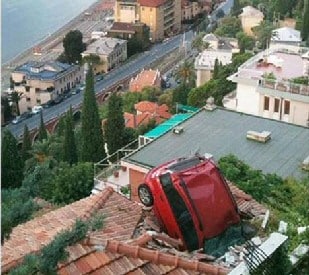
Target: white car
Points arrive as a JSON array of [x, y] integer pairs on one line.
[[36, 109]]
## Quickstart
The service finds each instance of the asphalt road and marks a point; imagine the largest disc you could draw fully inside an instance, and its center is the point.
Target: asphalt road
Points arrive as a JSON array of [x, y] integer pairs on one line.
[[111, 78]]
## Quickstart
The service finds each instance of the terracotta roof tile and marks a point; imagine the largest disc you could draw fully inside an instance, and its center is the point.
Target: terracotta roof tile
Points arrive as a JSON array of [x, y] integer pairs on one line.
[[146, 78], [31, 236], [151, 3], [246, 203]]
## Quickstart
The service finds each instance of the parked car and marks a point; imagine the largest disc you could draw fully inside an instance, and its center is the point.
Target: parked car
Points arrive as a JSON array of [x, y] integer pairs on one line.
[[75, 91], [22, 117], [191, 200], [36, 109]]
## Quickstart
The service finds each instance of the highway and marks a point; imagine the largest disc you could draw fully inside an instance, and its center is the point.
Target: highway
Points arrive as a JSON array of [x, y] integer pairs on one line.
[[127, 69]]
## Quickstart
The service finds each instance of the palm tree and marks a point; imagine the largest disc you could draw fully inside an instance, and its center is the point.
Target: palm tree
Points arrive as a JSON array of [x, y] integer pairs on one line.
[[186, 74], [16, 97]]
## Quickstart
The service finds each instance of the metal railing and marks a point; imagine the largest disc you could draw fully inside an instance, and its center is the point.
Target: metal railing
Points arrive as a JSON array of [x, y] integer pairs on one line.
[[285, 86]]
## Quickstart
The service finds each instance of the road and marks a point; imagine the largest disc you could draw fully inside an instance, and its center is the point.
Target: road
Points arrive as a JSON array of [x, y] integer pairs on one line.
[[111, 78]]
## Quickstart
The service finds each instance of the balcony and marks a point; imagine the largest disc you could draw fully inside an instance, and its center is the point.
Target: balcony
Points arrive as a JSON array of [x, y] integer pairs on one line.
[[109, 172], [285, 86]]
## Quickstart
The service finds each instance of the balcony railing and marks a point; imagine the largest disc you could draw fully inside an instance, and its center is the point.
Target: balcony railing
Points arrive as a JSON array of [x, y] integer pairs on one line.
[[285, 86]]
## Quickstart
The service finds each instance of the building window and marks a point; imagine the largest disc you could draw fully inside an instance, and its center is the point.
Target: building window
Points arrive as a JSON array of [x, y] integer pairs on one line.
[[266, 103], [286, 107], [38, 101], [276, 107], [28, 99]]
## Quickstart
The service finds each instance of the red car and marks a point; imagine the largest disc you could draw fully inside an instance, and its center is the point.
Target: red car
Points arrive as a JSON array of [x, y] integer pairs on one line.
[[191, 200]]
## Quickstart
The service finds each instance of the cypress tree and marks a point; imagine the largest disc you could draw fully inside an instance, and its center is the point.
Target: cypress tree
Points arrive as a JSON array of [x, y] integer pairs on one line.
[[216, 69], [42, 130], [115, 125], [70, 151], [61, 126], [92, 144], [305, 22], [11, 162], [26, 147]]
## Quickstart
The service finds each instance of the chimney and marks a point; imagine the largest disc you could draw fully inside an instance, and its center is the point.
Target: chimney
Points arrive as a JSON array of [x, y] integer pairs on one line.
[[210, 104]]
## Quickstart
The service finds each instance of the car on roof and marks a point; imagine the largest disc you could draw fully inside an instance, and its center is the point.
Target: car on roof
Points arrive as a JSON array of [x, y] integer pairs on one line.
[[191, 200]]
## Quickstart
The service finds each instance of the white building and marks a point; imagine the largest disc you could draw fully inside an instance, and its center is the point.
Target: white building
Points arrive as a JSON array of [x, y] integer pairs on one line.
[[250, 18], [205, 62], [286, 37], [273, 84]]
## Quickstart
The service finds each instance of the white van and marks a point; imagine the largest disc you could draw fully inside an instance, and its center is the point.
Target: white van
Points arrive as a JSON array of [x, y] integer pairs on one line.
[[37, 109]]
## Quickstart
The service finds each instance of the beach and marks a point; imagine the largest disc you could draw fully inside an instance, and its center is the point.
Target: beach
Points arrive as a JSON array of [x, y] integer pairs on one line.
[[91, 19]]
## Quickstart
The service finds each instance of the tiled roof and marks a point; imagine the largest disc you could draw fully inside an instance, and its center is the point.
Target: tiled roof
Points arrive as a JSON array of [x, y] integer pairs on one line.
[[104, 46], [121, 217], [152, 108], [122, 26], [143, 79], [140, 119], [151, 3]]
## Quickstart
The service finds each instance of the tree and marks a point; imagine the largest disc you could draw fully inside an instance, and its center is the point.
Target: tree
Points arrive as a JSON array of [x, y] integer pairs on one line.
[[236, 8], [61, 126], [92, 59], [70, 151], [73, 46], [305, 21], [42, 129], [92, 144], [216, 69], [263, 33], [72, 182], [228, 26], [27, 144], [7, 110], [16, 97], [186, 74], [16, 208], [115, 125], [245, 42], [11, 162]]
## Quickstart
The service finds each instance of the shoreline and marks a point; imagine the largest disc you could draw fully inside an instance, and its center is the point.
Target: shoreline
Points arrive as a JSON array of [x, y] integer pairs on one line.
[[57, 33], [51, 45]]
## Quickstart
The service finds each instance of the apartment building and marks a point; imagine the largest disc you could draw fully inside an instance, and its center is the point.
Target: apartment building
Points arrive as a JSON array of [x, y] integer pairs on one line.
[[40, 82], [112, 52], [162, 16], [191, 9], [273, 84]]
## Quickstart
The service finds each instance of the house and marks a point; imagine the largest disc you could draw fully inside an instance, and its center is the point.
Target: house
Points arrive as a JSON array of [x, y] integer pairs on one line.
[[130, 241], [40, 82], [250, 18], [191, 9], [162, 16], [112, 52], [273, 84], [146, 78], [220, 48], [205, 62], [220, 132], [145, 112], [285, 37]]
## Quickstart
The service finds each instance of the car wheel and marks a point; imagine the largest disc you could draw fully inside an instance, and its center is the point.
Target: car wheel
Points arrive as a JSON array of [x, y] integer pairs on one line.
[[145, 195]]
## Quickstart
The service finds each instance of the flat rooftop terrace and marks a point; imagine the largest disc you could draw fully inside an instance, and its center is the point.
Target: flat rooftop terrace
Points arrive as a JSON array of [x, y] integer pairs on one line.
[[222, 132]]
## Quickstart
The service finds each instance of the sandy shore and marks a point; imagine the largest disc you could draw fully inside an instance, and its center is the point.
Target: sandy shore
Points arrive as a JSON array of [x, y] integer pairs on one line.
[[51, 47]]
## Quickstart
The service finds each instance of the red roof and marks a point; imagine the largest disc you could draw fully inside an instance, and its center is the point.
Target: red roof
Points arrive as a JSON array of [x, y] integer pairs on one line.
[[122, 246], [153, 108], [151, 3]]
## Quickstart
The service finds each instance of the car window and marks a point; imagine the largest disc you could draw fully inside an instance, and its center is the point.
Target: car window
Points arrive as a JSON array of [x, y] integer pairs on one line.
[[185, 164], [181, 212]]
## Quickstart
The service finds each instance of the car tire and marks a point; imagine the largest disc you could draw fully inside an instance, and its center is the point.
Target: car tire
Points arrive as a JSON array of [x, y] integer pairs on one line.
[[145, 195]]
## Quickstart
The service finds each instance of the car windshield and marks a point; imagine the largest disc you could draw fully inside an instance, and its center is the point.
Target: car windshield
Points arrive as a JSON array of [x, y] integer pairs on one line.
[[181, 212]]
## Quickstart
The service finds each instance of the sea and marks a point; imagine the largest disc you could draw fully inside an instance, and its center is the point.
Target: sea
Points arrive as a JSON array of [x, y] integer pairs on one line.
[[24, 23]]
